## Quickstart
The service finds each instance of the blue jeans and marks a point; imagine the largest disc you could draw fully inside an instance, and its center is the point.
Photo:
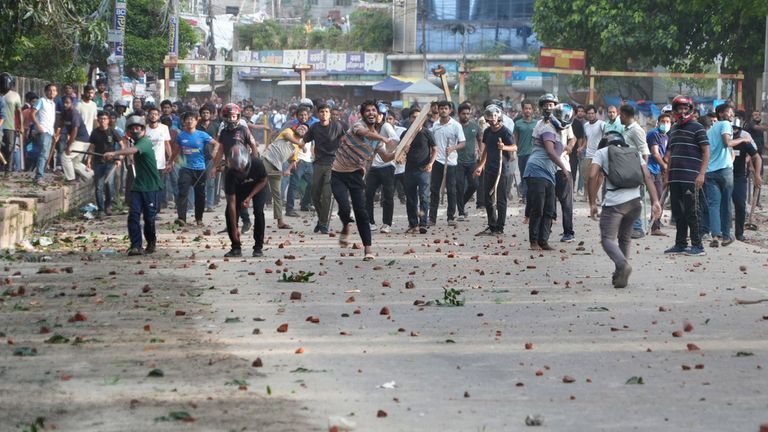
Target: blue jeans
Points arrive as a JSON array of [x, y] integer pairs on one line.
[[104, 197], [719, 188], [146, 204], [44, 141], [303, 172], [417, 197]]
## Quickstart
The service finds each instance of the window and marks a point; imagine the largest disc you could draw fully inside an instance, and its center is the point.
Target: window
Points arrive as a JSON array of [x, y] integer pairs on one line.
[[342, 2]]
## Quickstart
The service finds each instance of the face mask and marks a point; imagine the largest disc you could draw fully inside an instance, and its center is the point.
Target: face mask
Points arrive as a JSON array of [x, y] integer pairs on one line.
[[136, 136], [664, 128]]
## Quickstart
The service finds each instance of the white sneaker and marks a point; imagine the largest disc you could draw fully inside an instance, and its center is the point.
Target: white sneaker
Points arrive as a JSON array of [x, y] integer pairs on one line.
[[385, 229], [374, 227]]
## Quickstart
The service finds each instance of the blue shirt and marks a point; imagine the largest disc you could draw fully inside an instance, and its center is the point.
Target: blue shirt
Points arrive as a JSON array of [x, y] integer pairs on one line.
[[719, 153], [657, 139], [192, 147]]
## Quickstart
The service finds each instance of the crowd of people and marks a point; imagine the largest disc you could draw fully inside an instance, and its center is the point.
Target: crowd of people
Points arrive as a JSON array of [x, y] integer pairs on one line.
[[327, 152]]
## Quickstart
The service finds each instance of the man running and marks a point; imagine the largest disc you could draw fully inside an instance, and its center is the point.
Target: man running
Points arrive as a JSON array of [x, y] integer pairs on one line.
[[358, 147], [498, 145]]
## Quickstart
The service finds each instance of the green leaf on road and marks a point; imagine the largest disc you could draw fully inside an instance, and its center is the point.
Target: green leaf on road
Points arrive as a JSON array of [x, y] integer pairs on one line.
[[237, 382], [232, 320], [744, 354], [57, 339], [597, 309], [635, 380], [156, 373], [25, 352], [111, 380], [269, 390], [305, 370]]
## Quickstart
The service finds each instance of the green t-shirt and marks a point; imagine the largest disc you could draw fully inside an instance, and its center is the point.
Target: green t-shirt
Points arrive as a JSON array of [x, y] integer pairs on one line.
[[472, 134], [524, 131], [147, 176]]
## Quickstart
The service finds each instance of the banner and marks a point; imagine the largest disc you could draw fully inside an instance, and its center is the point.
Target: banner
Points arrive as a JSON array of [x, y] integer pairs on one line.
[[563, 59], [173, 37], [120, 15]]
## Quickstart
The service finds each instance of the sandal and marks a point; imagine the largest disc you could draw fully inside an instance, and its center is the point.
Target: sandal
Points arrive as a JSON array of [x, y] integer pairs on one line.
[[284, 226], [344, 240], [369, 257]]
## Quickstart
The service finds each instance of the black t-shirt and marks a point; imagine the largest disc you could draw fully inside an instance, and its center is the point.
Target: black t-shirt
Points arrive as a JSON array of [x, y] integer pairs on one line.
[[103, 141], [757, 135], [71, 119], [236, 182], [327, 140], [420, 153], [578, 131], [491, 142], [231, 137], [740, 161]]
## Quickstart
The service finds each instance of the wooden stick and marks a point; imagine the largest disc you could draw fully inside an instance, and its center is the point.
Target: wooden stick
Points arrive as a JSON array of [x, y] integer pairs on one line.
[[498, 176], [749, 302], [410, 134]]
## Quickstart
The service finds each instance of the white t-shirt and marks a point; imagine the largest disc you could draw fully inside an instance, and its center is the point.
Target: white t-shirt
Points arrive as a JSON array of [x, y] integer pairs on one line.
[[618, 196], [387, 131], [447, 135], [399, 168], [159, 136], [566, 135], [306, 154], [46, 114], [12, 103], [88, 111], [594, 133]]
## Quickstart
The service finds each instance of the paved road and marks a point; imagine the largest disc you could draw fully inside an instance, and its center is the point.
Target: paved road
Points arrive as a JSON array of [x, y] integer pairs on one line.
[[539, 334]]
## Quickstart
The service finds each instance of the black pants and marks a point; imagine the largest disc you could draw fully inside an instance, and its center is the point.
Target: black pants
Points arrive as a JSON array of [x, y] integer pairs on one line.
[[350, 186], [466, 184], [541, 202], [400, 186], [189, 178], [7, 146], [436, 180], [385, 178], [496, 204], [259, 200], [564, 194], [685, 209], [739, 204]]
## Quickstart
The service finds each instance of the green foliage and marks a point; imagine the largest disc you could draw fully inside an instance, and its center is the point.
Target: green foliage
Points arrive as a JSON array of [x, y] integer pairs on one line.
[[56, 39], [371, 31], [146, 42], [641, 34], [477, 85]]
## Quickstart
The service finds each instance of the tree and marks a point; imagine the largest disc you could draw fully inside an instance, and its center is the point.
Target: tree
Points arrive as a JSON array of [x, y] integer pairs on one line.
[[61, 40], [641, 34]]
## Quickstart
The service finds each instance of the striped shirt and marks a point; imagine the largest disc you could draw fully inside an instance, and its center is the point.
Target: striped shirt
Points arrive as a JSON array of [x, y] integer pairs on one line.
[[355, 151], [686, 150]]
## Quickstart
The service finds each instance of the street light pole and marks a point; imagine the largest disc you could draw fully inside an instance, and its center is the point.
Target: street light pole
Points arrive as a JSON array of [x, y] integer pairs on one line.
[[765, 72]]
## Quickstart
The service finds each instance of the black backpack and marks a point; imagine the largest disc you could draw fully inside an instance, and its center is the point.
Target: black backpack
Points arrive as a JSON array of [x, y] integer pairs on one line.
[[625, 168]]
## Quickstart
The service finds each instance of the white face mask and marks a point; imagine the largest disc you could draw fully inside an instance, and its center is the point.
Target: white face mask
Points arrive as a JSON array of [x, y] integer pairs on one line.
[[664, 128]]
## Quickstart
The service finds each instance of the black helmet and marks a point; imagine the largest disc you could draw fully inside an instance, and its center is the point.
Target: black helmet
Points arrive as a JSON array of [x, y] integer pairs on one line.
[[562, 116], [135, 120], [615, 138], [7, 82], [548, 97], [238, 158]]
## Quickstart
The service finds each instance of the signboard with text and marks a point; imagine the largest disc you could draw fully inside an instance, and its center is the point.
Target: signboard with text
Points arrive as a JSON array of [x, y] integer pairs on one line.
[[120, 15], [323, 62]]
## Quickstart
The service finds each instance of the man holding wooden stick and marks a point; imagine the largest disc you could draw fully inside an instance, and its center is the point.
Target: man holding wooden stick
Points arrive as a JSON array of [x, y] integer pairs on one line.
[[449, 137], [497, 139]]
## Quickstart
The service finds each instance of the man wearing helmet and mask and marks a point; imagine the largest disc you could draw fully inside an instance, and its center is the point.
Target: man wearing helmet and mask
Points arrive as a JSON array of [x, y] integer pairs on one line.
[[621, 205], [687, 158], [498, 145], [146, 188], [234, 132], [542, 165], [244, 183]]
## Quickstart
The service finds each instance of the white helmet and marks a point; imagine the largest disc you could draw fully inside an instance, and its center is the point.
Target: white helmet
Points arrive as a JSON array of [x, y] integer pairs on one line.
[[492, 114]]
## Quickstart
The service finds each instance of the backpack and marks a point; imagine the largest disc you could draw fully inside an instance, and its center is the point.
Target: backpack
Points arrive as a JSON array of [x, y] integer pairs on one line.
[[625, 168]]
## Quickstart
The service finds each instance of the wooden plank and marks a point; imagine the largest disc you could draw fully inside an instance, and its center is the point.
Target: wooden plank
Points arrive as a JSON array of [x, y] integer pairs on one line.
[[410, 134]]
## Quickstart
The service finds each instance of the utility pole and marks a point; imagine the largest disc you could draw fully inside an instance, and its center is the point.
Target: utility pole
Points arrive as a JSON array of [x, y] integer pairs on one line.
[[424, 36], [765, 73], [211, 45]]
